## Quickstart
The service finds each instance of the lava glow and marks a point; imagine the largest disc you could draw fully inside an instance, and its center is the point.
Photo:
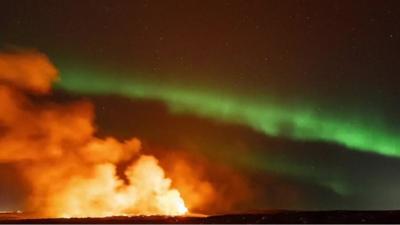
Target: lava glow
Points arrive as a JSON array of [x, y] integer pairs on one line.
[[70, 172], [148, 193], [103, 193]]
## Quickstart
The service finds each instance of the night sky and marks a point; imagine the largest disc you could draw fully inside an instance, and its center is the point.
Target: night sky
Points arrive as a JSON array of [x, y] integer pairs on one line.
[[299, 99]]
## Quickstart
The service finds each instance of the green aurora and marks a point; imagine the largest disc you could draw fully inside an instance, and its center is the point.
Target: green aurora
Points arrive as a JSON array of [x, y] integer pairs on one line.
[[294, 121]]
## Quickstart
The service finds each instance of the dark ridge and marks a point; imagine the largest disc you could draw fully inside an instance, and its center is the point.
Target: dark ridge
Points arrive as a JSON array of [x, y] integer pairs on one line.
[[281, 216]]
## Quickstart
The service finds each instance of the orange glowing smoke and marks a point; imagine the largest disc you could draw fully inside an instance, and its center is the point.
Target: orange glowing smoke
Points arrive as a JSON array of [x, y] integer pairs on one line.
[[71, 172]]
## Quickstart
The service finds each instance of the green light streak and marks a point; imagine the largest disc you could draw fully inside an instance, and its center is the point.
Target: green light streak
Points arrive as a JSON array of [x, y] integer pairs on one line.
[[266, 115]]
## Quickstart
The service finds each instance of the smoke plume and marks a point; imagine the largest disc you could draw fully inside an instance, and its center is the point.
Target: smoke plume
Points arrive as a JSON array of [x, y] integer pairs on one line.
[[70, 172]]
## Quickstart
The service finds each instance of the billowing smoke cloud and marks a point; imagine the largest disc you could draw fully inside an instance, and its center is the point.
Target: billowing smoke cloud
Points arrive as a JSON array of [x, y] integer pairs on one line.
[[71, 172], [30, 71]]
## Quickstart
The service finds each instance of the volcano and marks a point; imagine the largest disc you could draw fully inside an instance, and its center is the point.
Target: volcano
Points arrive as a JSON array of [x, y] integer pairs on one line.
[[199, 111]]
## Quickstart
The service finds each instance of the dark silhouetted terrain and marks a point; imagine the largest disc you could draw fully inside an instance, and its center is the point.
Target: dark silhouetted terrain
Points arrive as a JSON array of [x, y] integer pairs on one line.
[[266, 217]]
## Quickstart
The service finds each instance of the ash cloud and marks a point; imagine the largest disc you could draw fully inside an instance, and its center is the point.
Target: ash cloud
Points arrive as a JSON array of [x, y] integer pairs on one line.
[[69, 171]]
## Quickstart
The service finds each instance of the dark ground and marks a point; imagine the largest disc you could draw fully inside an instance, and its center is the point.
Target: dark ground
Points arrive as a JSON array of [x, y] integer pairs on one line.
[[267, 217]]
